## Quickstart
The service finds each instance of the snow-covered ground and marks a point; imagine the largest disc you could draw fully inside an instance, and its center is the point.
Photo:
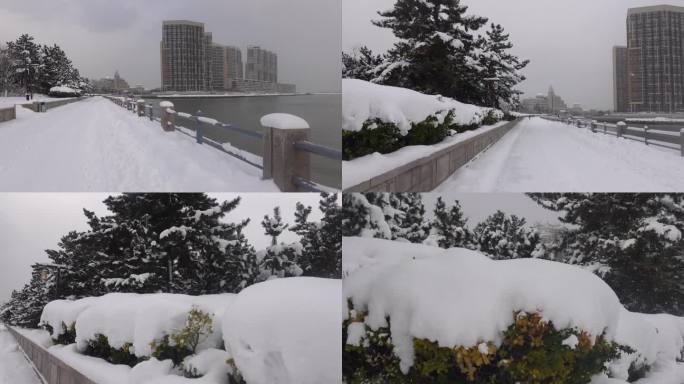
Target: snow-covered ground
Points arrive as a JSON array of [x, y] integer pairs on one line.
[[14, 100], [546, 156], [95, 145], [459, 297], [281, 331], [14, 368]]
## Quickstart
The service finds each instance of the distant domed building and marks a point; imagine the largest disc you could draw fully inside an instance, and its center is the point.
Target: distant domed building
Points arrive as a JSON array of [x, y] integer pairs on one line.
[[114, 84]]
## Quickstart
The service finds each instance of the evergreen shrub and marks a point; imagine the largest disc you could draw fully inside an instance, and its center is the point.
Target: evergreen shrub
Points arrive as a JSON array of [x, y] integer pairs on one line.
[[532, 352], [68, 335], [178, 346], [382, 137], [99, 347]]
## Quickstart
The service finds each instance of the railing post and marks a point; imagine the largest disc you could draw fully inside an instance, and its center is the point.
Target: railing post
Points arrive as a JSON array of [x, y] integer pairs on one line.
[[167, 119], [621, 128], [199, 134], [141, 107], [593, 127], [646, 134], [281, 161], [150, 112], [681, 140]]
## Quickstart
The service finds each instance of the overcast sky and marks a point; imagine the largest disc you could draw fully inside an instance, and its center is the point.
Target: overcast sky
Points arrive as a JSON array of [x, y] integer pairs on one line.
[[569, 43], [101, 36], [30, 223]]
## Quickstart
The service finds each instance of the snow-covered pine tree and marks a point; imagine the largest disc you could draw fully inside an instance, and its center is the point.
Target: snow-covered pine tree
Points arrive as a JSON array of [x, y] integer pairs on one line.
[[503, 237], [448, 227], [278, 260], [360, 64], [362, 218], [434, 53], [25, 307], [634, 241], [25, 58], [500, 68], [57, 69]]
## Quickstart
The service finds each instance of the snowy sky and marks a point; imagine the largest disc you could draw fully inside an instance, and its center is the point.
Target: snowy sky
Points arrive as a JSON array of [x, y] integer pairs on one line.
[[568, 42], [477, 206], [101, 36], [33, 222]]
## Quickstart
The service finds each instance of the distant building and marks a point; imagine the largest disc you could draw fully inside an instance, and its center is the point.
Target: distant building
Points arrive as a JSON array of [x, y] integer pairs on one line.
[[114, 84], [184, 63], [549, 103], [233, 68], [654, 71], [217, 67], [262, 65], [620, 84]]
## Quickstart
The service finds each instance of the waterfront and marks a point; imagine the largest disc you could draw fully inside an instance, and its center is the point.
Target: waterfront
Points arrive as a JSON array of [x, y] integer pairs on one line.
[[321, 111]]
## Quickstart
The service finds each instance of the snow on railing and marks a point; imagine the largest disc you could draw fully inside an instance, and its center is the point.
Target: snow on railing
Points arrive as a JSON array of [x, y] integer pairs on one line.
[[285, 140], [649, 135]]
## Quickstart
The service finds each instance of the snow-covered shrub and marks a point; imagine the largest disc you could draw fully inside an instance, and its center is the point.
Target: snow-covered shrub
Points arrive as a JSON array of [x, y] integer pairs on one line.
[[411, 305], [63, 91], [532, 351], [274, 331], [383, 119], [183, 343], [99, 347]]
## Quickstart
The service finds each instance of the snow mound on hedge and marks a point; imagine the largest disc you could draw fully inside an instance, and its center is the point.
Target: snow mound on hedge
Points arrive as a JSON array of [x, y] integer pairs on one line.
[[132, 318], [459, 297], [286, 331], [362, 100]]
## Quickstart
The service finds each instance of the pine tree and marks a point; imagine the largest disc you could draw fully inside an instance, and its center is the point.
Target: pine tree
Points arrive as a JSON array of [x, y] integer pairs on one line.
[[360, 64], [435, 51], [26, 62], [634, 241], [278, 260], [361, 217], [25, 307], [449, 228], [503, 237], [501, 69]]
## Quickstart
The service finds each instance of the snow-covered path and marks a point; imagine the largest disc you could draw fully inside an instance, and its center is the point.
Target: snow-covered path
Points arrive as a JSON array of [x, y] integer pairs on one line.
[[544, 156], [95, 145], [13, 365]]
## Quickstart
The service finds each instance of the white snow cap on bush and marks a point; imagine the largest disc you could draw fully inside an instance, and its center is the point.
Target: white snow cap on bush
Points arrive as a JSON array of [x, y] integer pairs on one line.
[[132, 318], [459, 297], [364, 100], [286, 331]]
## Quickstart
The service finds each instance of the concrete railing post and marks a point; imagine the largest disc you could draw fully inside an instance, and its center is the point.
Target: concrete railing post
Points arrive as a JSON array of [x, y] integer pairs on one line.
[[141, 107], [281, 161], [605, 128], [621, 128], [681, 140], [150, 112], [199, 129], [593, 127], [168, 119], [646, 134]]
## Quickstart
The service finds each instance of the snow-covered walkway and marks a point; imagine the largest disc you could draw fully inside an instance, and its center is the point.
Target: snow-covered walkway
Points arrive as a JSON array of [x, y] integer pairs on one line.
[[95, 145], [544, 156], [14, 368]]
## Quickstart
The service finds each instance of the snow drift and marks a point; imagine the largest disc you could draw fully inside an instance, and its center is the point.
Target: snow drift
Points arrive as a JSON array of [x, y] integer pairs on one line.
[[286, 331], [459, 297], [364, 100]]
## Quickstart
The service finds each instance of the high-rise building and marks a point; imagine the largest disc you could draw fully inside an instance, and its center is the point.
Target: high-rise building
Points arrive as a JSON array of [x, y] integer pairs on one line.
[[262, 65], [620, 84], [184, 64], [655, 59], [233, 68], [555, 102], [217, 66]]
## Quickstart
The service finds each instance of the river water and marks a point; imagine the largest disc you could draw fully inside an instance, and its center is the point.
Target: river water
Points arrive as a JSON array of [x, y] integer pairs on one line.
[[323, 112]]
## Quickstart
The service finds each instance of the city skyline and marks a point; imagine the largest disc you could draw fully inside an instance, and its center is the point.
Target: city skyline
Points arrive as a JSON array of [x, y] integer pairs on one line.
[[129, 31]]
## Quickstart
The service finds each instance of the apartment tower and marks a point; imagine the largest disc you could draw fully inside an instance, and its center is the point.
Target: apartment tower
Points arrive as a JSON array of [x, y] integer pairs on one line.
[[620, 84], [262, 65], [184, 56], [655, 60]]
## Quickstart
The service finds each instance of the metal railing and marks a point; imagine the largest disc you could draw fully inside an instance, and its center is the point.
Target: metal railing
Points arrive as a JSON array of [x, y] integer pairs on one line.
[[286, 151], [671, 138]]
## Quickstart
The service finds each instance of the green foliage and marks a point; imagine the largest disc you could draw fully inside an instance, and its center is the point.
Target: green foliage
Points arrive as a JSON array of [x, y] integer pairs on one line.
[[234, 375], [68, 335], [532, 351], [178, 346], [382, 137], [490, 118], [99, 347]]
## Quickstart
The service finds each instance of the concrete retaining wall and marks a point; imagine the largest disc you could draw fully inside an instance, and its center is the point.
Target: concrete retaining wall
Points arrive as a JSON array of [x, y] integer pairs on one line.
[[51, 104], [426, 174], [54, 370], [7, 114]]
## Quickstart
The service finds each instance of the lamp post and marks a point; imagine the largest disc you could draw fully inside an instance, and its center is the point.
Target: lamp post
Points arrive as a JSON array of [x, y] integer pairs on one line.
[[48, 270]]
